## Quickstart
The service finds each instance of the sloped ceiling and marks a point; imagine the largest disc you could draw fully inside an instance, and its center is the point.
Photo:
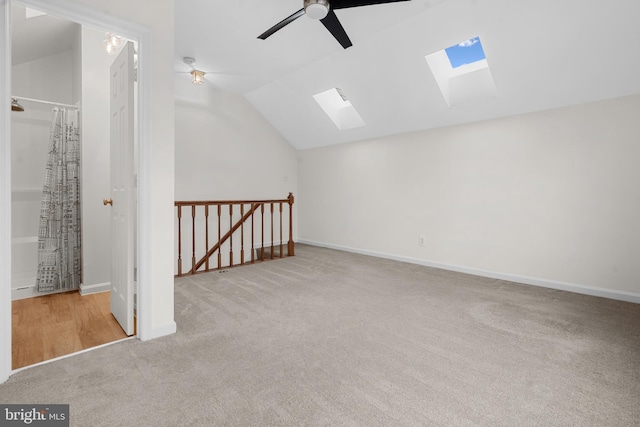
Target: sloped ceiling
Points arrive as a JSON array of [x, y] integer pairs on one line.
[[38, 36], [543, 54]]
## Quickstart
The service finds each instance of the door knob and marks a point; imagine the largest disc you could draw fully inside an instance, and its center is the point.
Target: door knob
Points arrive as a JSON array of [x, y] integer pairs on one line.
[[107, 202]]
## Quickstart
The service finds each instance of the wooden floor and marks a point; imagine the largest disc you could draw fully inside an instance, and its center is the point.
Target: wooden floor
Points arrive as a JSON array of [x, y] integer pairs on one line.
[[54, 325]]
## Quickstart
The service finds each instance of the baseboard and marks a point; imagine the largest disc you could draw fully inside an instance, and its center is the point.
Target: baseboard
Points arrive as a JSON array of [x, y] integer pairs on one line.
[[553, 284], [31, 292], [168, 329], [95, 288]]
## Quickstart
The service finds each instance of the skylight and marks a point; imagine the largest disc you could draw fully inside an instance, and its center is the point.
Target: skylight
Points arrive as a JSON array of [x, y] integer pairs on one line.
[[339, 109], [466, 52], [462, 73], [33, 13]]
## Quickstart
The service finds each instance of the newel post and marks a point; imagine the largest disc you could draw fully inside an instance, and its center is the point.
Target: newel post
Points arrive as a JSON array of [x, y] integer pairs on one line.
[[290, 246]]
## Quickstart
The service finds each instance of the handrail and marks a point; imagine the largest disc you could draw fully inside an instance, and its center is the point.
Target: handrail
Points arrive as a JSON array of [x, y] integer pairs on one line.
[[231, 202], [198, 239]]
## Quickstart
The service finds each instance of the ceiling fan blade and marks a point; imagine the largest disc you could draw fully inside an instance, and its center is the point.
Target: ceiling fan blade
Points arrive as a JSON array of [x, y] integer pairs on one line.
[[281, 24], [335, 28], [343, 4]]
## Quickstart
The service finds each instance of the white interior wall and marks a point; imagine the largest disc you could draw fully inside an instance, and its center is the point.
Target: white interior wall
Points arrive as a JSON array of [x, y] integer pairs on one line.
[[225, 150], [96, 225], [49, 78], [548, 198]]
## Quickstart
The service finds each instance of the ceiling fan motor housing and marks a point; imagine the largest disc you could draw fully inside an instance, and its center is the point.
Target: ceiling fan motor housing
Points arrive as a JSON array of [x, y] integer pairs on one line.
[[316, 9]]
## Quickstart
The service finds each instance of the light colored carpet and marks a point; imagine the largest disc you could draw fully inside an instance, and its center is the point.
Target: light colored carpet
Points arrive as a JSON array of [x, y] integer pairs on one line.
[[330, 338]]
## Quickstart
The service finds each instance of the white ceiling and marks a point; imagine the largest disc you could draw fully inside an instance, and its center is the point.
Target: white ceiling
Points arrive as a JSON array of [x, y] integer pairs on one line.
[[542, 54], [39, 36]]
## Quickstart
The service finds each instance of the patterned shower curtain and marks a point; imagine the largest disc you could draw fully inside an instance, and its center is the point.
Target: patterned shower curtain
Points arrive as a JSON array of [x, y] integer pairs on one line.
[[59, 263]]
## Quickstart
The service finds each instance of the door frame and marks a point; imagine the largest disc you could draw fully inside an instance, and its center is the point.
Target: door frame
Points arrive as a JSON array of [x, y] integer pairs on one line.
[[100, 21]]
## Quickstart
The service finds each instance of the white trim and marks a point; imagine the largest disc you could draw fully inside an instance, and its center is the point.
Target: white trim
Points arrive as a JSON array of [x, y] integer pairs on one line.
[[96, 288], [168, 329], [144, 238], [45, 362], [100, 21], [5, 191], [535, 281], [30, 291]]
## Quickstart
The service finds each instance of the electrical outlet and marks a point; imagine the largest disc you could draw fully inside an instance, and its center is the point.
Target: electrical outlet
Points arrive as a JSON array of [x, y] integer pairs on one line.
[[421, 241]]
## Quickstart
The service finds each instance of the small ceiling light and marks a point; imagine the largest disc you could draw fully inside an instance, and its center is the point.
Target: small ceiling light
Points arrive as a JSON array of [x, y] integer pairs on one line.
[[316, 9], [111, 43], [15, 105], [197, 77]]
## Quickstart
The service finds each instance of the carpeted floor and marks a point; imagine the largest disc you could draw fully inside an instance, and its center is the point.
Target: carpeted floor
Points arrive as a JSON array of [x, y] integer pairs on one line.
[[331, 338]]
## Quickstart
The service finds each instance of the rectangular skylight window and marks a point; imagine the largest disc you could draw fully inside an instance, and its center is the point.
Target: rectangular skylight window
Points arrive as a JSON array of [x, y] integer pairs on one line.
[[32, 13], [339, 109], [462, 73], [466, 52]]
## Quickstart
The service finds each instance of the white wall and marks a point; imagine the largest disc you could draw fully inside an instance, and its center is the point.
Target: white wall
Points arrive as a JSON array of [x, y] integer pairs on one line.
[[49, 78], [547, 198], [96, 222], [225, 150]]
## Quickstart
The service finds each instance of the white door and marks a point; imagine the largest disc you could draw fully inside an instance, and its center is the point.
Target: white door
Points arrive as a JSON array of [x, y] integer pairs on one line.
[[122, 188]]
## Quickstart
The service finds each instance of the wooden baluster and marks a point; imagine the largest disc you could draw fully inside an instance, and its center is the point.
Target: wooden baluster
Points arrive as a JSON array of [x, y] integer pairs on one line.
[[219, 254], [239, 224], [281, 254], [193, 239], [242, 235], [253, 250], [290, 246], [230, 237], [180, 240], [206, 238], [262, 230], [271, 231]]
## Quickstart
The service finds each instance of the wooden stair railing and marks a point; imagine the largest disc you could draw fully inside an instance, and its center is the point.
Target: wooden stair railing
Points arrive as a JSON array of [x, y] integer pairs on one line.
[[200, 257]]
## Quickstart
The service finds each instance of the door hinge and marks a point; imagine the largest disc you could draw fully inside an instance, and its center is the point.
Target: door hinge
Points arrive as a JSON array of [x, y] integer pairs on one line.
[[135, 75]]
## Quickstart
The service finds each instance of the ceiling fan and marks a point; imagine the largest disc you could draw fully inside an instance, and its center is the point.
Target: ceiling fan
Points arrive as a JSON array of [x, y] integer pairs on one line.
[[323, 10]]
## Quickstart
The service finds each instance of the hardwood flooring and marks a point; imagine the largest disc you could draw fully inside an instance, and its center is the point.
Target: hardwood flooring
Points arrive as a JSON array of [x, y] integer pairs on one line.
[[55, 325]]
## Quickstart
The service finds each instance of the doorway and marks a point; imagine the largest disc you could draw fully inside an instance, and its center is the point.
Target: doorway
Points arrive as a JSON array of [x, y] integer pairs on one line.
[[85, 16], [57, 63]]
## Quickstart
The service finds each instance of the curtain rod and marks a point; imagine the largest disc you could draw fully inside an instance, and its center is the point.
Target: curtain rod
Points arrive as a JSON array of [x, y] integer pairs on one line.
[[22, 98]]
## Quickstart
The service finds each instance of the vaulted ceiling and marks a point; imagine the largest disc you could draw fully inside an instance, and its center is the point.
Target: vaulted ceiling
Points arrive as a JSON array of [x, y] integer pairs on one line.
[[542, 54]]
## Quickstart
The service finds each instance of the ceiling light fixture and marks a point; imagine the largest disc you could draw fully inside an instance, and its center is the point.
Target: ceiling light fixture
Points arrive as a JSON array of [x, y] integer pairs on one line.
[[15, 105], [111, 43], [316, 9], [197, 77]]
